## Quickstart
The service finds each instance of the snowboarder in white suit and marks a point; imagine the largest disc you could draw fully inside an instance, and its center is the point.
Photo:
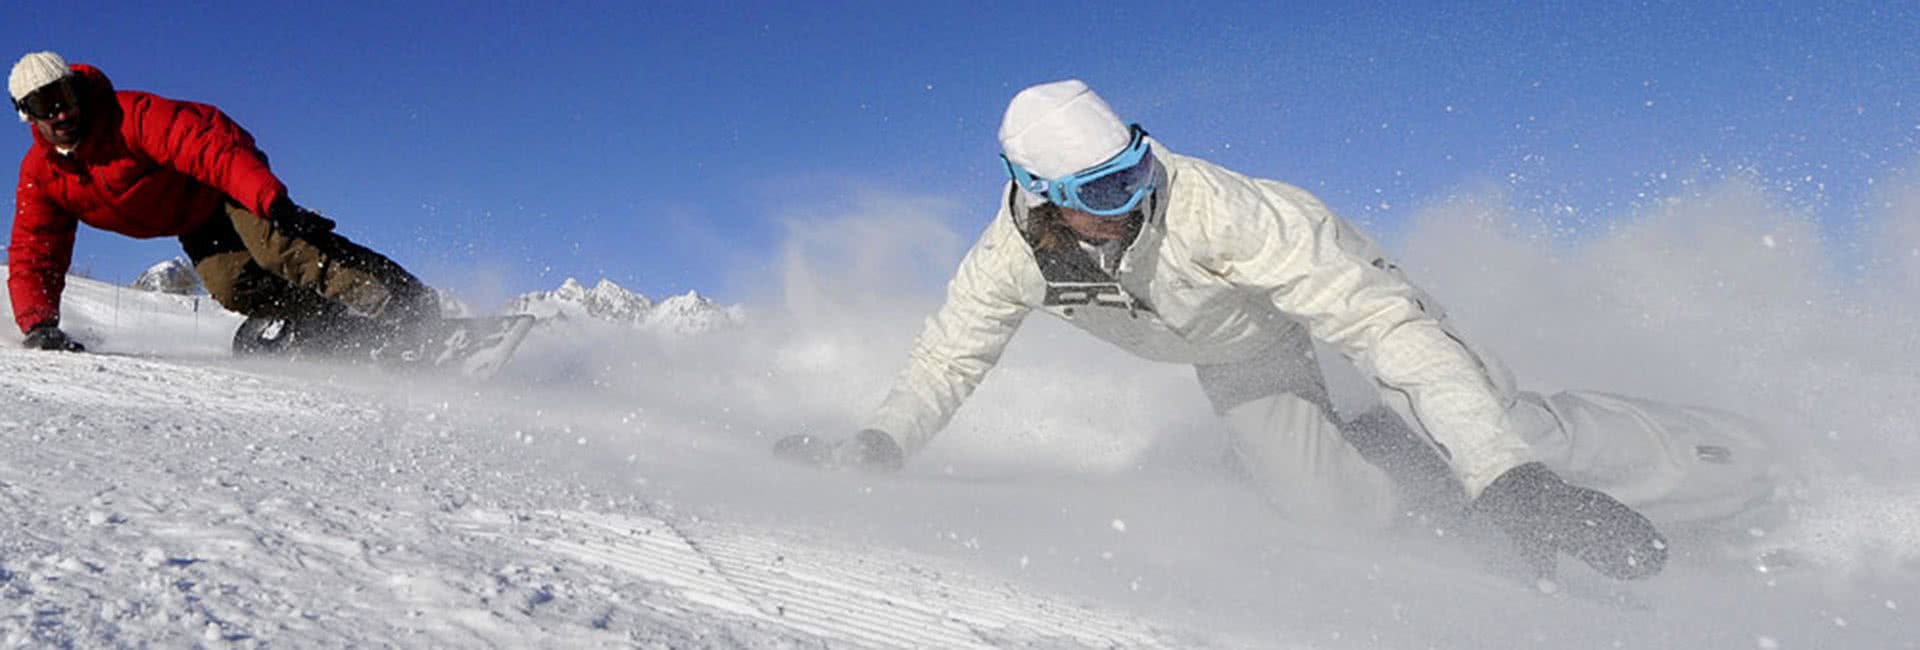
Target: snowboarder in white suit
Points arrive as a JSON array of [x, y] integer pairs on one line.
[[1176, 259]]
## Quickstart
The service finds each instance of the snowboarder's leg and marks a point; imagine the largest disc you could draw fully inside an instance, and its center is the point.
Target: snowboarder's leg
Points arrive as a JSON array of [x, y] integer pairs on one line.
[[1277, 411], [228, 270], [1675, 464], [323, 262], [243, 287], [281, 318]]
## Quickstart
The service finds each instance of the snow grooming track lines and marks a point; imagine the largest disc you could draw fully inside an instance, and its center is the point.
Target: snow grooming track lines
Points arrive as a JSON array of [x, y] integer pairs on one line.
[[864, 600], [652, 549]]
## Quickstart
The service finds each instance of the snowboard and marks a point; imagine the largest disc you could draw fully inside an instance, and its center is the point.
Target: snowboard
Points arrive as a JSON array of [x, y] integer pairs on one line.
[[475, 347]]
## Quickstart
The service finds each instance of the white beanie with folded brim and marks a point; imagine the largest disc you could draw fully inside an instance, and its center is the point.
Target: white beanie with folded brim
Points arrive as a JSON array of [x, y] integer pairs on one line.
[[33, 72], [1056, 129]]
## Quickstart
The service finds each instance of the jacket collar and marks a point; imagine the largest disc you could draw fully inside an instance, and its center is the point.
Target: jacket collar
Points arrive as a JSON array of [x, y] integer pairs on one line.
[[1153, 213]]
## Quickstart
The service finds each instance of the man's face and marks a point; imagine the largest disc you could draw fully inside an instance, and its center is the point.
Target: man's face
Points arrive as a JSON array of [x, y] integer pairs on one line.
[[55, 112]]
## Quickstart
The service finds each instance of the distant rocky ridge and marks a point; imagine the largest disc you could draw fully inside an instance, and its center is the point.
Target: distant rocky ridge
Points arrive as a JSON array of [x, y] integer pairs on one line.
[[689, 313], [171, 276]]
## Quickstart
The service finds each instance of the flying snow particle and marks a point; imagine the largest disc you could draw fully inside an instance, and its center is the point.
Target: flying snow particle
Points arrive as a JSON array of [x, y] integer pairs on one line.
[[1767, 241], [1119, 526]]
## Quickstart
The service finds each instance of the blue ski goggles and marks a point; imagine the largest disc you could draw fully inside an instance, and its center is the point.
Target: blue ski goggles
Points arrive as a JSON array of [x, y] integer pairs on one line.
[[1109, 189]]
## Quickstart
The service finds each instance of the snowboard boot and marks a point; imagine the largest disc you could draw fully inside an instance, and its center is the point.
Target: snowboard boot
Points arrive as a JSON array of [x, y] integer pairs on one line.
[[292, 337], [263, 336], [322, 330], [407, 328]]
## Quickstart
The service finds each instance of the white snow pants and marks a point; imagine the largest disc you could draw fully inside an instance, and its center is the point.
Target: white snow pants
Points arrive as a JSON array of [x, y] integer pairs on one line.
[[1673, 463]]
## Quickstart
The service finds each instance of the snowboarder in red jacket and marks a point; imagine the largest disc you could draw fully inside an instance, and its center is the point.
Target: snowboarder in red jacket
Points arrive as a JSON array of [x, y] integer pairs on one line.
[[145, 166]]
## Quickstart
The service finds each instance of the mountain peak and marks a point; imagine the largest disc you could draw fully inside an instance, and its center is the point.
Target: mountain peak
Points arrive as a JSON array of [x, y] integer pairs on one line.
[[607, 301], [170, 276]]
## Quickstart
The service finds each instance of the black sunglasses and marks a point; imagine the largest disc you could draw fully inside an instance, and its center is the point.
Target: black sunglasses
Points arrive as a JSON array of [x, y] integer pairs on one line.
[[49, 101]]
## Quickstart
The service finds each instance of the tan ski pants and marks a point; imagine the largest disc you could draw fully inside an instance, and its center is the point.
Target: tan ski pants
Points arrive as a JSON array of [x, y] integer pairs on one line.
[[257, 267]]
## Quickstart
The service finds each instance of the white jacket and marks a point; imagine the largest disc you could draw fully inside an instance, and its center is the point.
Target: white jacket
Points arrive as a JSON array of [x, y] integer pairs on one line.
[[1219, 259]]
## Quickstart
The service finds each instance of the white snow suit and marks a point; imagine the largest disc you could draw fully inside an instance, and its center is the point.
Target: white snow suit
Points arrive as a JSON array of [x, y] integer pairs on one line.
[[1237, 276]]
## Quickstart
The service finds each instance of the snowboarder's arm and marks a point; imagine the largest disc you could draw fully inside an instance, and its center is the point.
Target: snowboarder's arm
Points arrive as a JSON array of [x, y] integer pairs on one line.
[[960, 342], [202, 142], [1313, 265], [38, 255]]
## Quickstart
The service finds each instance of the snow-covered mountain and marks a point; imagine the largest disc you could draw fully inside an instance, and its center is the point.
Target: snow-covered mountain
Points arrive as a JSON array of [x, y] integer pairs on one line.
[[689, 313], [171, 276], [606, 302]]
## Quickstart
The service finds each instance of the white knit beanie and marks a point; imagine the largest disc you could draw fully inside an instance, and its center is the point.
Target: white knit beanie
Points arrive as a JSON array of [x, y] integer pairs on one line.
[[1055, 129], [33, 72]]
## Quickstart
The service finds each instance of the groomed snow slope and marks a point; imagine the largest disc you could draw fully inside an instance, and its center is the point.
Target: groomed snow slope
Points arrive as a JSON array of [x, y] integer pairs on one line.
[[612, 489]]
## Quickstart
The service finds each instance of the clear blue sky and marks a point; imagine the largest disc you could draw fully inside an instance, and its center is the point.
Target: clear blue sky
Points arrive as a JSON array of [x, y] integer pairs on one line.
[[658, 143]]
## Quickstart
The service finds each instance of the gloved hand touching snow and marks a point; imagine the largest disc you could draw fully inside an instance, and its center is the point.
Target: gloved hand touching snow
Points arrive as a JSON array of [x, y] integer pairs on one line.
[[869, 450], [47, 336], [1545, 515]]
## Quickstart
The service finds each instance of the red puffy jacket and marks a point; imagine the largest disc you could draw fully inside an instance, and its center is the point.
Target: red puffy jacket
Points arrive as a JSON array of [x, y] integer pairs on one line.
[[147, 166]]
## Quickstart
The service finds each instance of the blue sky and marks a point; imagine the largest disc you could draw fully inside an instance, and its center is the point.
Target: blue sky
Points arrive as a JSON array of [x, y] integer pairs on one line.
[[665, 145]]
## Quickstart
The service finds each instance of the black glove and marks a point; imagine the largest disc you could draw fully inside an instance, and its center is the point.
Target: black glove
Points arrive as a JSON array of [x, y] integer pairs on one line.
[[47, 336], [1545, 515], [869, 450], [297, 221]]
